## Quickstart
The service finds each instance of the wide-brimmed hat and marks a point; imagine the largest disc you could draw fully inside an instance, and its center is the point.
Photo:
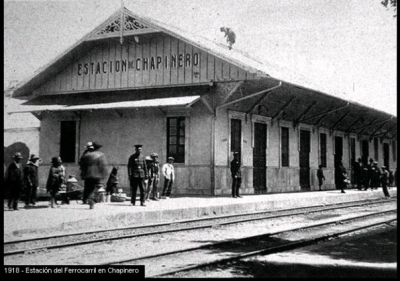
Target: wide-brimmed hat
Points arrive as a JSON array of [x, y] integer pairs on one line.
[[56, 160], [138, 145], [148, 158], [34, 157], [17, 155]]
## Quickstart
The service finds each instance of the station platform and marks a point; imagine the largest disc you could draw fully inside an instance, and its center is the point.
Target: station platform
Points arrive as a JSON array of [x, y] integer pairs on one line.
[[40, 220]]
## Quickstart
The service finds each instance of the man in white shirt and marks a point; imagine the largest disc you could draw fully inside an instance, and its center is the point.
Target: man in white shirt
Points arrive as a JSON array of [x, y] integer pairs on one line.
[[169, 177]]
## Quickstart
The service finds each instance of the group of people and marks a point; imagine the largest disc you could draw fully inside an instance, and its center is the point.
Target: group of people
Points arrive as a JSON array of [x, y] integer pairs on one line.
[[371, 176], [17, 178], [366, 176], [143, 173]]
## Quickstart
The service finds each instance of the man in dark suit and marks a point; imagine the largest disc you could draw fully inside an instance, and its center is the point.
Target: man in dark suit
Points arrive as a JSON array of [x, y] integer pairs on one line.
[[31, 179], [14, 181], [137, 172], [358, 170], [236, 175]]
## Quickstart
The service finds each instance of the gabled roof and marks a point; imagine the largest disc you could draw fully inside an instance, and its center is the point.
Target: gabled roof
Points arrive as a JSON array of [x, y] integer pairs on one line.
[[145, 24]]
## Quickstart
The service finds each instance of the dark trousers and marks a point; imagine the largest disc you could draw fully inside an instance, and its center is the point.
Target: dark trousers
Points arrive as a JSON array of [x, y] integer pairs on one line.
[[135, 182], [167, 187], [152, 187], [30, 194], [385, 189], [15, 194], [359, 182], [90, 185], [236, 182]]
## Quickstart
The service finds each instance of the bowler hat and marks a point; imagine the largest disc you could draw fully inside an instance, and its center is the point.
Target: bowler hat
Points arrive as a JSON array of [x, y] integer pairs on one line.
[[96, 145], [171, 158], [138, 145], [56, 160], [17, 155]]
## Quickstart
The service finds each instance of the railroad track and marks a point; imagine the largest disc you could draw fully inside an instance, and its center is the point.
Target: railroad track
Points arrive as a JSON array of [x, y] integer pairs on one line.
[[71, 240], [269, 245]]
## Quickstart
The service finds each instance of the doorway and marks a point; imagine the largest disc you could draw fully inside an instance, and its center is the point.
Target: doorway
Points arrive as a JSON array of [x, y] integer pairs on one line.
[[259, 158], [305, 159], [386, 155]]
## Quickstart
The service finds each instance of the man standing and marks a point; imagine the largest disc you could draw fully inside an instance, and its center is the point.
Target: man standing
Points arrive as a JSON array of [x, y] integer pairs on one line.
[[320, 176], [358, 169], [236, 175], [88, 148], [94, 170], [14, 178], [169, 177], [154, 176], [137, 172], [384, 181], [31, 179]]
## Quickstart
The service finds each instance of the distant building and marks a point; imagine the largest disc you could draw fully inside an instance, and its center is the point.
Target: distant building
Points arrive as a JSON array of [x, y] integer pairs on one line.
[[183, 96]]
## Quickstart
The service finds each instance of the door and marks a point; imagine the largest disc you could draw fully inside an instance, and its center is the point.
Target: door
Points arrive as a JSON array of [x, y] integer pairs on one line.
[[365, 152], [386, 155], [338, 157], [305, 159], [259, 158], [236, 136]]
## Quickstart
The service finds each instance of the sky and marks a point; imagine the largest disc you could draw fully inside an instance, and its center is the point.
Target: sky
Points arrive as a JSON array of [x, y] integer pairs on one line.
[[350, 45]]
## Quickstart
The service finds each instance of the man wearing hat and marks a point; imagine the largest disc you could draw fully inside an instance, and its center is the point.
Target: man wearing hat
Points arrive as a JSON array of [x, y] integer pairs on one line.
[[88, 148], [31, 179], [384, 181], [236, 174], [14, 181], [93, 166], [358, 168], [137, 172], [154, 174], [375, 175], [168, 172]]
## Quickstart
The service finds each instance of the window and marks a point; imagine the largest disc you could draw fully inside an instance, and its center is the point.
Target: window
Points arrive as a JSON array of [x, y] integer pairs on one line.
[[376, 148], [285, 146], [176, 138], [67, 141], [394, 150], [322, 140]]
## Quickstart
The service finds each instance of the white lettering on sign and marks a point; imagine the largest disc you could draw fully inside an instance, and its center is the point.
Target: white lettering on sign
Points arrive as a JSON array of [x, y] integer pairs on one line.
[[140, 64]]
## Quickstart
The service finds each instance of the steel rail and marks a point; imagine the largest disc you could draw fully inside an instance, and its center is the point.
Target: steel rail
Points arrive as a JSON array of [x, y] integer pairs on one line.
[[367, 201], [275, 249], [92, 241]]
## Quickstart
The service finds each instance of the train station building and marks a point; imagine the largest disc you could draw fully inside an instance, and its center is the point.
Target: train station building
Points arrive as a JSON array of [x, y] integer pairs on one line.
[[184, 96]]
